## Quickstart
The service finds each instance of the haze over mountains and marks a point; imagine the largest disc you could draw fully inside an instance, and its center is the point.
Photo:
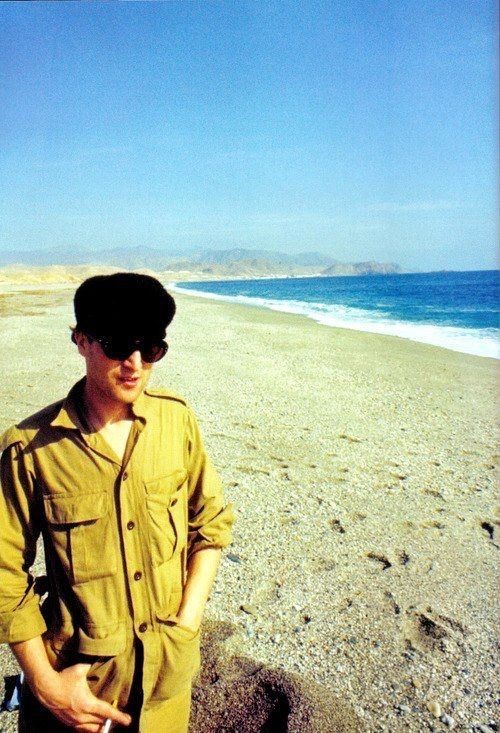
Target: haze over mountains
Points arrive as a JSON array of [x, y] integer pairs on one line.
[[235, 262]]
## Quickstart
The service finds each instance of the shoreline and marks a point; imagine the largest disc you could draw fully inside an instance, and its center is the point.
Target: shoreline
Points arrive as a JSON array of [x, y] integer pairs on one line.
[[12, 288], [482, 342], [381, 328]]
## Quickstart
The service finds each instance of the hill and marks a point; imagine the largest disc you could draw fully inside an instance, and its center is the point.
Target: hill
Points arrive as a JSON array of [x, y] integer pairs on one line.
[[200, 264]]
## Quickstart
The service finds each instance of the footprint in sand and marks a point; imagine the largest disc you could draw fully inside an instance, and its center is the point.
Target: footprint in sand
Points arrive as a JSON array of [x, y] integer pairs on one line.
[[428, 630], [337, 526], [395, 606], [382, 559], [350, 438], [434, 492], [401, 556], [432, 524]]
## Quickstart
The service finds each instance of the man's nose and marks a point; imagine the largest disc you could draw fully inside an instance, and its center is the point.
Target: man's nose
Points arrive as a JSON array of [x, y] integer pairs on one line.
[[134, 361]]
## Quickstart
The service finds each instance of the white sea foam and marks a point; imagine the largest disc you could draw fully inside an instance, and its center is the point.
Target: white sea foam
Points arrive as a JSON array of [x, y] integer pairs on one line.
[[480, 342]]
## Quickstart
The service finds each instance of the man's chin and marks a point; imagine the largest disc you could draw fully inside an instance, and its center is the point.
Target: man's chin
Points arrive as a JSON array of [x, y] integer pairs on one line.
[[129, 395]]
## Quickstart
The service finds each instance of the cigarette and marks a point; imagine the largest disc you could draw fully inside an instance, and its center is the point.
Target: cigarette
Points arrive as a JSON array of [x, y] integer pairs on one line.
[[106, 727]]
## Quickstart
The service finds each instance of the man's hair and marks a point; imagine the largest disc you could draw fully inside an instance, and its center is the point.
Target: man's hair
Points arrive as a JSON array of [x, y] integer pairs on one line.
[[123, 303]]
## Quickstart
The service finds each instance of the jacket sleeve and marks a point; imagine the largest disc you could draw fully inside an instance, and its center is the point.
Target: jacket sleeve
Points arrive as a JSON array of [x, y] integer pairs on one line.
[[20, 616], [209, 518]]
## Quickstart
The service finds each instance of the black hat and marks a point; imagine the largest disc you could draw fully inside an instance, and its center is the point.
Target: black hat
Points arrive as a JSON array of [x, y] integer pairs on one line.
[[123, 303]]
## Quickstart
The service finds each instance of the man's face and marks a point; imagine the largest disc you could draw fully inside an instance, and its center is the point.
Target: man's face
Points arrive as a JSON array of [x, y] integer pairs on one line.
[[112, 381]]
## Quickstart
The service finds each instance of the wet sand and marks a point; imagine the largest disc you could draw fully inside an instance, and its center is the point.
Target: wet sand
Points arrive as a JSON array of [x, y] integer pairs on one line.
[[359, 593]]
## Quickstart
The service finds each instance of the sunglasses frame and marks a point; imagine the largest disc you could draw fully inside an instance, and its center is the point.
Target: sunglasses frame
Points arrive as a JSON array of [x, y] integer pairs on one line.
[[106, 344]]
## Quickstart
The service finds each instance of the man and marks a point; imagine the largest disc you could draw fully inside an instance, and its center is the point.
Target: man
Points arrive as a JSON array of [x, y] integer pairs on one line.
[[116, 480]]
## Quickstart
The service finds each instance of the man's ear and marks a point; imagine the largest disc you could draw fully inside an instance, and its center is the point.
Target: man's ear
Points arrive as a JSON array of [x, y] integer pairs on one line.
[[81, 340]]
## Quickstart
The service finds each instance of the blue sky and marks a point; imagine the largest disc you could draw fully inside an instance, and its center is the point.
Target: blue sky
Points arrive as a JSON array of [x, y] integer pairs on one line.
[[362, 129]]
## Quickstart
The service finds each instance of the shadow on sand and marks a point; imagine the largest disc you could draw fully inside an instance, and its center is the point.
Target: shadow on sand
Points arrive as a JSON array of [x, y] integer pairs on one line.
[[234, 694]]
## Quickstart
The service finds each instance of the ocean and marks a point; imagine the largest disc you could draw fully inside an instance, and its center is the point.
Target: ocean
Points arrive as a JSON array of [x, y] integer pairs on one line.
[[455, 310]]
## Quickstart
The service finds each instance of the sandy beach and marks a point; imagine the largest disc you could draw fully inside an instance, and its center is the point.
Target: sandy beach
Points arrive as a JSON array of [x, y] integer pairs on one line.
[[360, 591]]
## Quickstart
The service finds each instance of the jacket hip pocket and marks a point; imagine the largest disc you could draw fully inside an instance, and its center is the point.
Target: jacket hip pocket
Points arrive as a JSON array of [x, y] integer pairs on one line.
[[82, 534], [180, 648], [166, 500]]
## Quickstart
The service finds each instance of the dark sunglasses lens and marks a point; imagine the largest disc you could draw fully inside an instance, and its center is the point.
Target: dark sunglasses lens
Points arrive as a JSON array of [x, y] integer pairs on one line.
[[116, 350], [154, 352], [120, 350]]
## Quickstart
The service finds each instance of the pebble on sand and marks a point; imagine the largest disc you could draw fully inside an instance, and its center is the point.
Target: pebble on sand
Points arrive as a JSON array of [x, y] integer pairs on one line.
[[434, 708]]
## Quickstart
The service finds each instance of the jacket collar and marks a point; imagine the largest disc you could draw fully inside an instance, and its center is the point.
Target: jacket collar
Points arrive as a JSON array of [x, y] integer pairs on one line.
[[71, 408], [140, 407], [68, 416]]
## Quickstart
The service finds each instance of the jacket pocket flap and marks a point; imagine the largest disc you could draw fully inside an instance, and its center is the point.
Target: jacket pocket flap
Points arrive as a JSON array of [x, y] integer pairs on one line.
[[173, 622], [166, 484], [76, 508]]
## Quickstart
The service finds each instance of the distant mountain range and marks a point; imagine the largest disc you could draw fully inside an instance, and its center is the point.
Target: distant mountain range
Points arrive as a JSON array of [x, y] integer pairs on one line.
[[236, 262]]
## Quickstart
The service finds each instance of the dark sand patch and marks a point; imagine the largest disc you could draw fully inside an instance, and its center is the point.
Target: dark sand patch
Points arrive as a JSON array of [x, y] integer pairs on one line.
[[246, 697]]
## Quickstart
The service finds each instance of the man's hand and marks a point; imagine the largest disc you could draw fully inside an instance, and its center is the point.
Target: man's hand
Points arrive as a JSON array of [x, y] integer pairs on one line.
[[68, 697], [66, 693]]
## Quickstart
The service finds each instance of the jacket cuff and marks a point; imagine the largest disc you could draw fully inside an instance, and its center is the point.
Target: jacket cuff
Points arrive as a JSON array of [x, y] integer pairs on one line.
[[217, 533], [23, 624]]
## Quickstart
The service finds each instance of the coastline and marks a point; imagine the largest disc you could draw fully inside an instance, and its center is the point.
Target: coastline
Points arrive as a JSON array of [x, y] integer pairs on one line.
[[362, 469], [477, 340], [484, 342]]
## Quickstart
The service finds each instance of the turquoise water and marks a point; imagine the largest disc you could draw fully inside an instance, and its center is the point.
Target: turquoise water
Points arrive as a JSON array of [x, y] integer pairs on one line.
[[456, 310]]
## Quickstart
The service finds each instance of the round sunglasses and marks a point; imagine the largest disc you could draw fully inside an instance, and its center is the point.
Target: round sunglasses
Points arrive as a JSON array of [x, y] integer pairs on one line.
[[119, 348]]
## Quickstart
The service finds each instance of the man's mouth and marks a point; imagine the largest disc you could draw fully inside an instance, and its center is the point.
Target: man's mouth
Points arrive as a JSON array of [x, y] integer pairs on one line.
[[129, 381]]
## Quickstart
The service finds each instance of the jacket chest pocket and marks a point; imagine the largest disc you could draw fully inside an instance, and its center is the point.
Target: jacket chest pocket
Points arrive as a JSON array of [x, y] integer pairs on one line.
[[81, 530], [166, 500]]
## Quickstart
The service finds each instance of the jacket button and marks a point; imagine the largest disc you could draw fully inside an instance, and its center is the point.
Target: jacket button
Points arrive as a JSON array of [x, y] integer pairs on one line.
[[143, 627], [137, 575], [130, 525], [125, 476], [173, 502]]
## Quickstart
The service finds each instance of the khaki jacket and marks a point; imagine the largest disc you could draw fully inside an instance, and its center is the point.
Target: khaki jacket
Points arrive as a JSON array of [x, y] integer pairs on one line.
[[116, 535]]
